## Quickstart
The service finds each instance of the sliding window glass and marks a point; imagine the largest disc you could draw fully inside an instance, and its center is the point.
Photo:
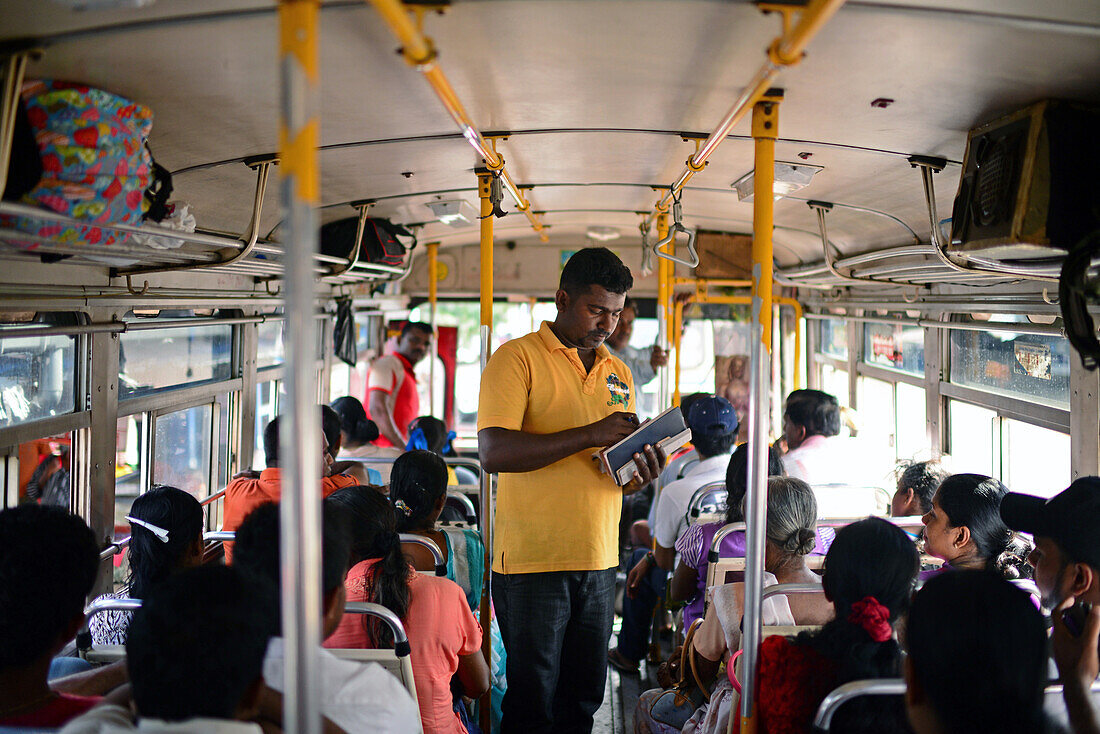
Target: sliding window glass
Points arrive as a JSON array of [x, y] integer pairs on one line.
[[1031, 367], [37, 374], [895, 346], [177, 355]]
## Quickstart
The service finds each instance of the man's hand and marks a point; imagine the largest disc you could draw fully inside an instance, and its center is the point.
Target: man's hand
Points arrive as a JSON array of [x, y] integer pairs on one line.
[[634, 578], [1076, 655], [658, 357], [612, 429], [647, 467]]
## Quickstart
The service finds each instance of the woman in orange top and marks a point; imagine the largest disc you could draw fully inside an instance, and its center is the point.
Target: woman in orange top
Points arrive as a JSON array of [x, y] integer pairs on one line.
[[443, 634]]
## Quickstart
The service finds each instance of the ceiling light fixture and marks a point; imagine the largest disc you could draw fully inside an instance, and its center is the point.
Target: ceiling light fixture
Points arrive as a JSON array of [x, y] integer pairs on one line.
[[455, 212], [789, 178], [603, 234]]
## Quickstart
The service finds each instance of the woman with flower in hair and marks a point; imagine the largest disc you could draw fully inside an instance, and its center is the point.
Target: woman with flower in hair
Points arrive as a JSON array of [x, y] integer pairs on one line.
[[870, 572], [443, 634]]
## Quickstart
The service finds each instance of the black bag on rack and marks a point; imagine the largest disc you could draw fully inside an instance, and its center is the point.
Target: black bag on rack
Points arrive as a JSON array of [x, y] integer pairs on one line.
[[380, 243]]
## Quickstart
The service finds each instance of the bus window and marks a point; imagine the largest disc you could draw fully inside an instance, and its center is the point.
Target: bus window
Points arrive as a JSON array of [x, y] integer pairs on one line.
[[834, 338], [877, 428], [1022, 444], [894, 346], [268, 395], [182, 355], [911, 439], [835, 382], [130, 466], [182, 450], [37, 377], [972, 439], [1028, 366], [39, 471], [270, 349]]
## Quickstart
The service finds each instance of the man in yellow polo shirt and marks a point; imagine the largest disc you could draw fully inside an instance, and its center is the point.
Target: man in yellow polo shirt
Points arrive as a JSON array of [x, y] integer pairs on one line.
[[549, 401]]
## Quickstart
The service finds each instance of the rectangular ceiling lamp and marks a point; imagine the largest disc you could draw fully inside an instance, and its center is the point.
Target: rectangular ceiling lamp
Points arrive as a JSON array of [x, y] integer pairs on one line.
[[789, 178], [455, 212]]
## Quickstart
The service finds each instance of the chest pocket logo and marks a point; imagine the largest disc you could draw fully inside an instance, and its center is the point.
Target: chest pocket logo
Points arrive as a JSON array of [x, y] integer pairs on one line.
[[619, 390]]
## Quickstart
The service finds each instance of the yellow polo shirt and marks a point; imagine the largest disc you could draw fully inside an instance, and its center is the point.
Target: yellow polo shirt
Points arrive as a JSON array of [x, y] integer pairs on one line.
[[565, 516]]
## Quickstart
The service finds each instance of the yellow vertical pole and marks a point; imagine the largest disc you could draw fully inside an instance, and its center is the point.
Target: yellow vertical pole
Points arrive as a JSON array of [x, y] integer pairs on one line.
[[765, 128], [433, 299], [484, 185]]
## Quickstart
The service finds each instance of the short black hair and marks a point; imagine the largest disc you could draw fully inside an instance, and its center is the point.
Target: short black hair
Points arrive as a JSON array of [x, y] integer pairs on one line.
[[595, 266], [256, 547], [924, 478], [197, 643], [271, 442], [816, 411], [48, 563], [737, 479], [418, 325], [715, 445]]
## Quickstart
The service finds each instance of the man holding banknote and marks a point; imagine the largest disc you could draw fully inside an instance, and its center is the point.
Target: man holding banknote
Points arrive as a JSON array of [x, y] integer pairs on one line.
[[549, 401]]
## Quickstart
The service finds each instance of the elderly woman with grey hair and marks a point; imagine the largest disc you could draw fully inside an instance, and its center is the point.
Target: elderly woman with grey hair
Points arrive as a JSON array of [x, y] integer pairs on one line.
[[790, 537]]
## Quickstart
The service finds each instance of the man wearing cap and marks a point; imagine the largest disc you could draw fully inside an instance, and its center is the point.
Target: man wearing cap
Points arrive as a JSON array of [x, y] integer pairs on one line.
[[713, 424], [1067, 571]]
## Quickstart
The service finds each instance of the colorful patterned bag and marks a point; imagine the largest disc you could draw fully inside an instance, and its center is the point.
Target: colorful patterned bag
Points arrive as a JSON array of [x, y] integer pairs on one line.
[[95, 166]]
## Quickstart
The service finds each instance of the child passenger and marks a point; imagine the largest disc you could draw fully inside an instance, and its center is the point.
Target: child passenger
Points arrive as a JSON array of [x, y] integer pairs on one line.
[[48, 562], [444, 636]]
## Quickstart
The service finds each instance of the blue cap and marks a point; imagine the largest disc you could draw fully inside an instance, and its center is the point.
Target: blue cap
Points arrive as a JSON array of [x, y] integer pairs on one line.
[[712, 416]]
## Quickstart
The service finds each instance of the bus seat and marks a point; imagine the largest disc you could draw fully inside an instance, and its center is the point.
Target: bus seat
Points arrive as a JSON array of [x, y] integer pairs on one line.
[[440, 565], [788, 630], [465, 475], [719, 568], [844, 500], [459, 507], [397, 661], [708, 504], [854, 689]]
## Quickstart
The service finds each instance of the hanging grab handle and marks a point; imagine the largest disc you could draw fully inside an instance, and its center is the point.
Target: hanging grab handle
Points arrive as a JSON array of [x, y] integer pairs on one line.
[[692, 259]]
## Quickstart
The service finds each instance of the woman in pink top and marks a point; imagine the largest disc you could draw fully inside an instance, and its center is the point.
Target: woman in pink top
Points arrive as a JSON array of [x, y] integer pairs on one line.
[[443, 634]]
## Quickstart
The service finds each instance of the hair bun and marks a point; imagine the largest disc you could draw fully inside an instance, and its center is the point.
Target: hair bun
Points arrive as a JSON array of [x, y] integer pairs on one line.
[[800, 542]]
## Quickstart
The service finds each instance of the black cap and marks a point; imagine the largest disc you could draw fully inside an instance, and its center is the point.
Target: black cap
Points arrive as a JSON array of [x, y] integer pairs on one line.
[[1071, 518]]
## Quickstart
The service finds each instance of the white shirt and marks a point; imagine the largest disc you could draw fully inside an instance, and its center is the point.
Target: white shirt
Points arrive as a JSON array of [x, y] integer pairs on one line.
[[821, 460], [672, 506], [357, 697], [638, 361], [109, 718]]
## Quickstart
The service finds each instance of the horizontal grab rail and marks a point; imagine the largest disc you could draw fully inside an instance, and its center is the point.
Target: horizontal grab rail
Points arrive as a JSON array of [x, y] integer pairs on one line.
[[428, 543], [800, 588], [400, 639], [716, 543]]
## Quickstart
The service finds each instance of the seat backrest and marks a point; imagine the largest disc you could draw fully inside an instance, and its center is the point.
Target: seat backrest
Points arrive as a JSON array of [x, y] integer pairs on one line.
[[843, 500], [708, 503], [789, 630], [398, 660], [440, 565], [841, 695]]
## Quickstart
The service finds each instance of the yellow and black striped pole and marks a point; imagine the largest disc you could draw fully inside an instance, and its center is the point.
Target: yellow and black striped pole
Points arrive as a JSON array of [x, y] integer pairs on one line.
[[300, 425]]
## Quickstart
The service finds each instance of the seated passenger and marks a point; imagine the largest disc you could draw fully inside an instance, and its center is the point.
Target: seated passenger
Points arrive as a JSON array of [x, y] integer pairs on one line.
[[48, 562], [977, 657], [690, 579], [965, 530], [790, 537], [355, 696], [713, 425], [811, 417], [917, 484], [166, 527], [418, 489], [430, 434], [444, 636], [195, 652], [246, 493], [334, 436], [678, 464], [357, 432], [1067, 571], [869, 575]]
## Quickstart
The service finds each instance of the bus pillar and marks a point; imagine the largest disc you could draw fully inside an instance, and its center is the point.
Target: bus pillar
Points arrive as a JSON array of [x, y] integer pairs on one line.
[[664, 298], [765, 129], [433, 298], [484, 188], [300, 510]]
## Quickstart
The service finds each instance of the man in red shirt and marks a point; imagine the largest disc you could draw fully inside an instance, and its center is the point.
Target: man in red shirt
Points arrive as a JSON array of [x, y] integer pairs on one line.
[[392, 400], [247, 492], [48, 563]]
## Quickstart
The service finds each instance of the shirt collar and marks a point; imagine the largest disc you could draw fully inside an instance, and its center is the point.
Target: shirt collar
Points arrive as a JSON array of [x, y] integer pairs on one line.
[[708, 465], [552, 343], [405, 362]]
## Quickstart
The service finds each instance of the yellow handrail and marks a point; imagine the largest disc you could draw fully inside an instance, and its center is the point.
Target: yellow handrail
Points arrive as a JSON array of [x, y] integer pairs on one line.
[[420, 53], [785, 50]]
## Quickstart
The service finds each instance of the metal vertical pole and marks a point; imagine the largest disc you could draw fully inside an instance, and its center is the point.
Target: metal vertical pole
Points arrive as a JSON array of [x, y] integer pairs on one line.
[[664, 297], [765, 124], [484, 184], [433, 298], [299, 448]]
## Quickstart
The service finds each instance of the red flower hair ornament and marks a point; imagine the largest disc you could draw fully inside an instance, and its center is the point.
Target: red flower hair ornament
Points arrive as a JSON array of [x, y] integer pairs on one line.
[[873, 617]]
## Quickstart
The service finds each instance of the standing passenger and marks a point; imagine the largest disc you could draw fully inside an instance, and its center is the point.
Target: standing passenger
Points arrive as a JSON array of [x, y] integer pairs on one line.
[[642, 363], [548, 401], [392, 400]]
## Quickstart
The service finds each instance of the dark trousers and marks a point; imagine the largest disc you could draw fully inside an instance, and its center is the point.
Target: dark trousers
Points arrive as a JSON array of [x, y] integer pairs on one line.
[[638, 612], [556, 627]]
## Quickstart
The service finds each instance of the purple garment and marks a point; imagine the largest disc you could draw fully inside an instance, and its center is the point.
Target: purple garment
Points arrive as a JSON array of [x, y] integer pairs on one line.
[[925, 575], [694, 545]]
